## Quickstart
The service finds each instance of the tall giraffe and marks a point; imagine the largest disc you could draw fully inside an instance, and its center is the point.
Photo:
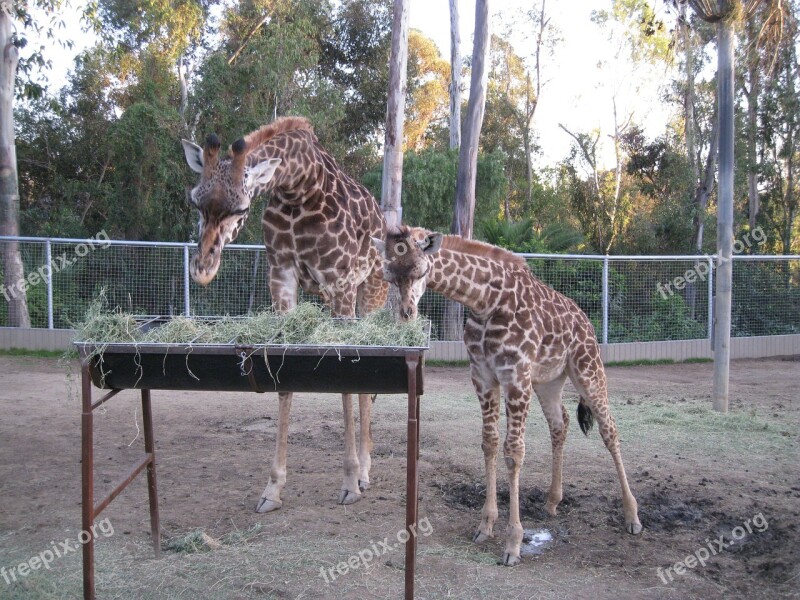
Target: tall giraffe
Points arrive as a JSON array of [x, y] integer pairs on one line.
[[521, 334], [317, 226]]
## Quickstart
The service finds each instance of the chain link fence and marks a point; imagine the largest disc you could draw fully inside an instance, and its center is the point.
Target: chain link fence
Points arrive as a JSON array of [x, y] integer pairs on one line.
[[627, 298]]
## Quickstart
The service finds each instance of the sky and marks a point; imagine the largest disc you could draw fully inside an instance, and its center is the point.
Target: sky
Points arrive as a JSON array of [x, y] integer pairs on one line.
[[576, 92]]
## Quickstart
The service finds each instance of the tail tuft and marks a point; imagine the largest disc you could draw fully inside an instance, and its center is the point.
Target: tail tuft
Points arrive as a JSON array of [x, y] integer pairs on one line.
[[585, 417]]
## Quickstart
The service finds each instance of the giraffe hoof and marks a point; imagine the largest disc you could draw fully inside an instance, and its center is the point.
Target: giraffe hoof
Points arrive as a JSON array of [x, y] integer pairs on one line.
[[266, 505], [509, 560], [551, 510], [480, 537], [363, 485], [348, 497], [634, 528]]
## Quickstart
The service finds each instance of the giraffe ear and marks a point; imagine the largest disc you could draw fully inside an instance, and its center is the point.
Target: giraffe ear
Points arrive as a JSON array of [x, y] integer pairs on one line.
[[194, 155], [261, 173], [431, 243], [380, 245]]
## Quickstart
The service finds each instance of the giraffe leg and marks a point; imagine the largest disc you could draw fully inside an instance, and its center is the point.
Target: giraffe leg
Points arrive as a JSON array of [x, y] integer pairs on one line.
[[592, 388], [271, 498], [549, 395], [518, 396], [349, 493], [489, 396], [364, 440]]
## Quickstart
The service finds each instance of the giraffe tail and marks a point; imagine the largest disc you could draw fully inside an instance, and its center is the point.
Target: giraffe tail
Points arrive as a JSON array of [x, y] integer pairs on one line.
[[585, 417]]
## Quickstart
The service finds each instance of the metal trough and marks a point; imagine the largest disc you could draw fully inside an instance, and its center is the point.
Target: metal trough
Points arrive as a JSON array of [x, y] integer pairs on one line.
[[238, 368]]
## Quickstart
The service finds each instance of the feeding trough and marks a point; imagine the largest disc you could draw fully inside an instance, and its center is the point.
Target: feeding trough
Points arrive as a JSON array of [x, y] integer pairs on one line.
[[240, 367], [204, 363]]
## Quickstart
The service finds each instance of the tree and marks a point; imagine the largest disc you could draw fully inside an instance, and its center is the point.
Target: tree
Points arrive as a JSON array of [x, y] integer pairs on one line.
[[428, 81], [395, 115], [455, 77], [10, 66], [515, 88], [464, 211], [600, 202], [780, 128], [13, 270]]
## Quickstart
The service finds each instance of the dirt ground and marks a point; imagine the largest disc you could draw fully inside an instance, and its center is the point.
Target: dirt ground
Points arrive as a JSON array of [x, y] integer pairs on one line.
[[698, 475]]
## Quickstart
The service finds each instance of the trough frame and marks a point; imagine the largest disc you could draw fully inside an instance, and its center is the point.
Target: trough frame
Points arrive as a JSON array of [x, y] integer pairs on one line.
[[408, 360]]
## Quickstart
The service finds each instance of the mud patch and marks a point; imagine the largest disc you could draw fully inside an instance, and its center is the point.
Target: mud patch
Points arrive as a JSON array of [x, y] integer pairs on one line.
[[660, 510]]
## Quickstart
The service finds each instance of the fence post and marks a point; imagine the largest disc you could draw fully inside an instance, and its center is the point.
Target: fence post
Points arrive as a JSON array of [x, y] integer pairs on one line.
[[605, 299], [48, 257], [186, 307], [711, 301]]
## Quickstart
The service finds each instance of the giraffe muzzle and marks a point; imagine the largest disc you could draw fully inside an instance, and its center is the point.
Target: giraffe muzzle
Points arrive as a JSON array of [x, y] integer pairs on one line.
[[203, 269]]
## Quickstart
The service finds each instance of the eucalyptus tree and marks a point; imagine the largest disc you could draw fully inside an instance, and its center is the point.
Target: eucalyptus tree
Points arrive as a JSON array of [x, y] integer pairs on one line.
[[464, 200], [779, 143], [17, 78]]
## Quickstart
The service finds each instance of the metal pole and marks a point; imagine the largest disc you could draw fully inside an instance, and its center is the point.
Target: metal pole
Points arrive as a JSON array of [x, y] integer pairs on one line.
[[186, 307], [48, 257], [412, 477], [605, 300], [87, 479], [722, 308]]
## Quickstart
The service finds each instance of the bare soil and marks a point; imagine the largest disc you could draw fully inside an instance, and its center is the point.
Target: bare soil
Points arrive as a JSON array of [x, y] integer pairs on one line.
[[698, 475]]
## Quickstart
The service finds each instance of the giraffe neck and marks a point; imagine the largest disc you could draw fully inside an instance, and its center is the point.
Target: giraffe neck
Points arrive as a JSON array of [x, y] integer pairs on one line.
[[303, 171], [475, 281]]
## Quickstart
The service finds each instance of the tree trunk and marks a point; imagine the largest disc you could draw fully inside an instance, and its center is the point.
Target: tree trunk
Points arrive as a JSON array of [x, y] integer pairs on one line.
[[464, 209], [724, 275], [182, 74], [14, 289], [464, 213], [391, 187], [455, 77], [754, 76]]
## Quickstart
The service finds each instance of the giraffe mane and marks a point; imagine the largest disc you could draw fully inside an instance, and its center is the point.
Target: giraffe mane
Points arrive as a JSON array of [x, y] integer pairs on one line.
[[458, 244], [278, 126]]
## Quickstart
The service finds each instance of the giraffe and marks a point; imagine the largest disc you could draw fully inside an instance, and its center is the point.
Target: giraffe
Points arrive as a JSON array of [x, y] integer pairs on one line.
[[520, 335], [317, 225]]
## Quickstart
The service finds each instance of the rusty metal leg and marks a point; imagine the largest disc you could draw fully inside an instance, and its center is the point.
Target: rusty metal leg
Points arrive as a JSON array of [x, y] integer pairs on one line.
[[412, 479], [418, 420], [87, 481], [152, 489]]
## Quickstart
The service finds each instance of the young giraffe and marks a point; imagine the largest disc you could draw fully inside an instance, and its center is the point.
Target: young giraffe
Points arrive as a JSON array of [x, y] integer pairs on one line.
[[521, 334], [317, 227]]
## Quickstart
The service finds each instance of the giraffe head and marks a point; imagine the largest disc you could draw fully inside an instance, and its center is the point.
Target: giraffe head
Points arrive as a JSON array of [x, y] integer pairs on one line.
[[222, 198], [406, 263]]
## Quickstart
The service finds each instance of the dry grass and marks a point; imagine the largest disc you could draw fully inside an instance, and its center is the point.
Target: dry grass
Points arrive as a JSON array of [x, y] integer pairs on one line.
[[307, 324]]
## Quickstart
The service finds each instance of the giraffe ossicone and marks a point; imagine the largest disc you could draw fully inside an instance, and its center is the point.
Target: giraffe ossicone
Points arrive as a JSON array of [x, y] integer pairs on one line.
[[522, 337]]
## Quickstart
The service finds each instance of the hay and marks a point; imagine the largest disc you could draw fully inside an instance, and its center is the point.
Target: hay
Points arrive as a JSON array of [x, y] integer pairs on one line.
[[307, 324]]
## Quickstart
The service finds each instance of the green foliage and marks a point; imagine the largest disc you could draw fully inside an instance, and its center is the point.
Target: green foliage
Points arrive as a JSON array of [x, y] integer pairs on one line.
[[429, 187], [668, 319], [521, 236], [148, 175]]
